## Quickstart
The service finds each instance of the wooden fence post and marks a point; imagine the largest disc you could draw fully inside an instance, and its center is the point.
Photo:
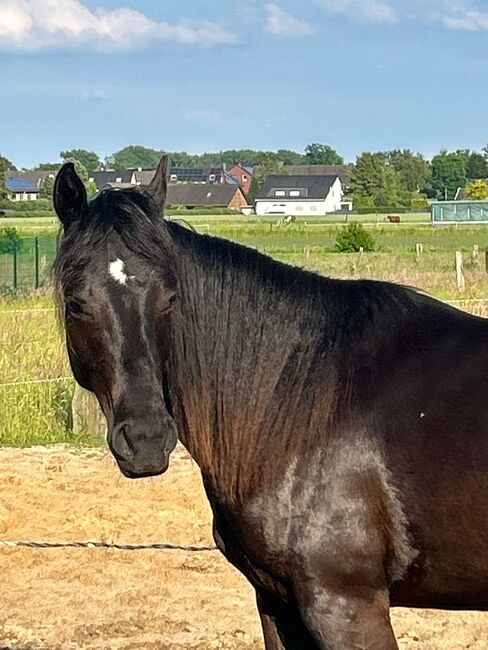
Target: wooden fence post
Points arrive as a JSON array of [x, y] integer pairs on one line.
[[461, 282], [87, 415], [476, 253]]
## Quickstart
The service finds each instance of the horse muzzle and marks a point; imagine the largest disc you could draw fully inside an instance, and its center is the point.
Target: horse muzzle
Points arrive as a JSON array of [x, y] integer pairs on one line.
[[141, 447]]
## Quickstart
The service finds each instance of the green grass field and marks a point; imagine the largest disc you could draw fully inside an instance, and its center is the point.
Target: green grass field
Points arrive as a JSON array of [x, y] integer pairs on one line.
[[31, 342]]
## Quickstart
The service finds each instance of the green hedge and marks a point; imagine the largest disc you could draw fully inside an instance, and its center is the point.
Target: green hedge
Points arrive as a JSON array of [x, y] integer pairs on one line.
[[381, 209], [26, 206], [204, 209]]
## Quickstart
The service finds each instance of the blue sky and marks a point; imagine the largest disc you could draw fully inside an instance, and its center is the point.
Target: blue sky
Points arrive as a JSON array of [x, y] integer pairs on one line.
[[201, 75]]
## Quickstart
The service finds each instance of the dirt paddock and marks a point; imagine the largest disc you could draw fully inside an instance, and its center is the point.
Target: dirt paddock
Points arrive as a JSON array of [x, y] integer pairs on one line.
[[127, 600]]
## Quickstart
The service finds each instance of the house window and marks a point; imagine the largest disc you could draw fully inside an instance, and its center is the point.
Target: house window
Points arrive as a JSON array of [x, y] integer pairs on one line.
[[280, 193], [294, 192], [244, 178]]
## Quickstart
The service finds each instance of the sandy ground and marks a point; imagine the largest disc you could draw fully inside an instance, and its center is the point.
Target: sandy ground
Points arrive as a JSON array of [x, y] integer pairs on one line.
[[123, 600]]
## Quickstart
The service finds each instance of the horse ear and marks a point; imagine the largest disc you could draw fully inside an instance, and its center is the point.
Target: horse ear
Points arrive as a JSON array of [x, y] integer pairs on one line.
[[69, 195], [158, 187]]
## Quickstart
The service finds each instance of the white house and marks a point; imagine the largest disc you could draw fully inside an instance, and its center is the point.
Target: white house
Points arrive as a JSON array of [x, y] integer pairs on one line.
[[299, 195], [26, 186]]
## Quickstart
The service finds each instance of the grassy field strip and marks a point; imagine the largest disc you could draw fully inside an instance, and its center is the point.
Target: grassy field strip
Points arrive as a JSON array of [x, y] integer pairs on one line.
[[33, 381], [27, 311]]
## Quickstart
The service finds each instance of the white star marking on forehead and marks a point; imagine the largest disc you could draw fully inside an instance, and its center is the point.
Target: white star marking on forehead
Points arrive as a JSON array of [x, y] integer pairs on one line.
[[116, 270]]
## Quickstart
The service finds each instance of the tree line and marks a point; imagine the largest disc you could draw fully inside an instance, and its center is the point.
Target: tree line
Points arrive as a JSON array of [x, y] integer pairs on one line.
[[399, 178]]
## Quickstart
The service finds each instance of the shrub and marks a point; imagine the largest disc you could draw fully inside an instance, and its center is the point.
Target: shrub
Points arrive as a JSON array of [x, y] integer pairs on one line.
[[420, 202], [354, 237], [9, 241], [26, 206]]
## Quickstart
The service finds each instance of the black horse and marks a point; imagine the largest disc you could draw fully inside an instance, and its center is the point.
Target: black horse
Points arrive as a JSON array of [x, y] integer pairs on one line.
[[341, 427]]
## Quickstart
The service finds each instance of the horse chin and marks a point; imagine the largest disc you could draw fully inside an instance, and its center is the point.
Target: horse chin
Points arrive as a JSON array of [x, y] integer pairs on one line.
[[142, 472]]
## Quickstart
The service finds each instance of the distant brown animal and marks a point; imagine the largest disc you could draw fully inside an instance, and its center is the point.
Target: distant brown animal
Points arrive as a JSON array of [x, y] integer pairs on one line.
[[393, 218]]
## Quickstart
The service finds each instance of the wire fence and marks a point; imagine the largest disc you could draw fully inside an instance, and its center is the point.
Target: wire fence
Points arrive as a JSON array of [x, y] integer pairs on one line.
[[158, 546], [29, 265]]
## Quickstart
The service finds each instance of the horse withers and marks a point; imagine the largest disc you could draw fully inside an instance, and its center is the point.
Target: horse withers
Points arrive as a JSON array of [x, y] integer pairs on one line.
[[341, 427]]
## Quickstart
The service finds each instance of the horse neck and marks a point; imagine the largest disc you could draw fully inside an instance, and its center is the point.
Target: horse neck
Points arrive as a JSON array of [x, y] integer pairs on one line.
[[247, 347]]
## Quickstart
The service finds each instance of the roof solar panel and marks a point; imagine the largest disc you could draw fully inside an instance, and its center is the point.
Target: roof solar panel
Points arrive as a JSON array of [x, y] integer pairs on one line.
[[20, 185]]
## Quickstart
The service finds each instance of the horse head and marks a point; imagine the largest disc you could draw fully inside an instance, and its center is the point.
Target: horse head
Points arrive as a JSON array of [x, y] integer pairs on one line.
[[116, 285]]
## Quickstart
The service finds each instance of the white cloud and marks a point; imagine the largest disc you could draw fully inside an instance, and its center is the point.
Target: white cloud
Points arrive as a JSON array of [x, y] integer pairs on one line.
[[468, 15], [39, 24], [280, 23], [470, 20], [370, 11]]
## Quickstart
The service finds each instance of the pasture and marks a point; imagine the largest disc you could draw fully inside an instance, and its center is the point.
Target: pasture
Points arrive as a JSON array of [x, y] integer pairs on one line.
[[86, 598]]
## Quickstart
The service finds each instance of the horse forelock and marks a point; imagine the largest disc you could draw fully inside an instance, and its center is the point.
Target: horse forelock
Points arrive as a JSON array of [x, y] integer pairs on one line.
[[128, 216]]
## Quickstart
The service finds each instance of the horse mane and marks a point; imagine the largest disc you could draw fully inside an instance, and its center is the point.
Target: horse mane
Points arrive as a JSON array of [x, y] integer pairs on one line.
[[266, 355]]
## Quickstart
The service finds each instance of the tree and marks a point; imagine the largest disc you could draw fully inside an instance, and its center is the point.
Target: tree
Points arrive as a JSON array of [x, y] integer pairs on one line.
[[253, 190], [47, 190], [135, 156], [48, 166], [413, 169], [322, 154], [367, 176], [393, 192], [375, 183], [477, 166], [477, 190], [89, 159], [448, 173], [289, 157], [181, 159], [5, 165]]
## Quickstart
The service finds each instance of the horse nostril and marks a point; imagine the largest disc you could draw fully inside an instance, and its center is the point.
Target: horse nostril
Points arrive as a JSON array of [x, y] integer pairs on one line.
[[121, 443]]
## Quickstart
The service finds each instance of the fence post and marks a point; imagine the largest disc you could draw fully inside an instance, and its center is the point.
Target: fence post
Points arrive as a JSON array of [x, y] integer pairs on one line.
[[36, 262], [486, 260], [476, 253], [15, 269], [87, 415], [461, 283]]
